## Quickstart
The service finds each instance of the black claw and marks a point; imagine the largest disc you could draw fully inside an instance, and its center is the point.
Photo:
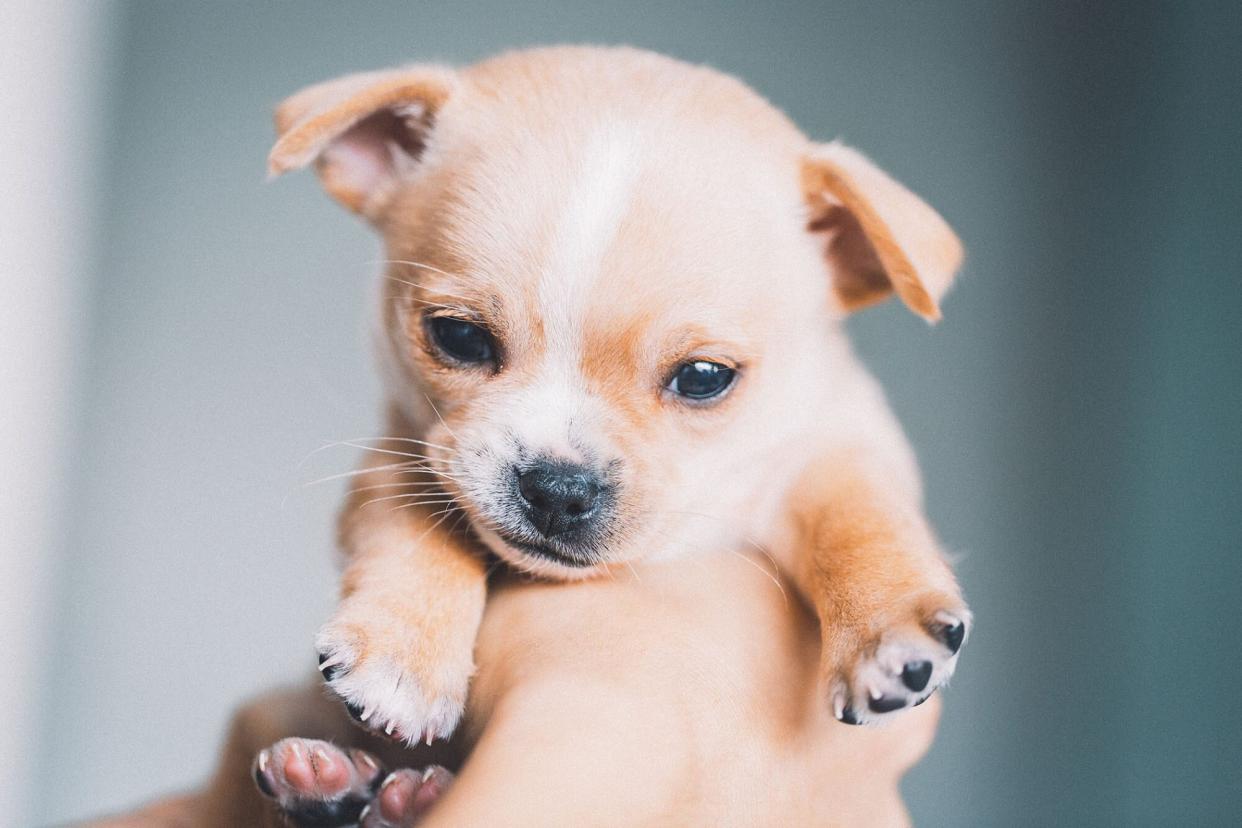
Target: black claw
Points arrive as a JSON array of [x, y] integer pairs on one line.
[[886, 704], [265, 785], [355, 711], [330, 673], [916, 674], [848, 717], [952, 636]]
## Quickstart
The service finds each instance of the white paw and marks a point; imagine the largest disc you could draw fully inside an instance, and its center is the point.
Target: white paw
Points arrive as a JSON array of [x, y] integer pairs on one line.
[[901, 669], [387, 688]]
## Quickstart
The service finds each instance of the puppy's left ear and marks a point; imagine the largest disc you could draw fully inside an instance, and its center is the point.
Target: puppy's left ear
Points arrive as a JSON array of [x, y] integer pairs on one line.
[[879, 237], [363, 132]]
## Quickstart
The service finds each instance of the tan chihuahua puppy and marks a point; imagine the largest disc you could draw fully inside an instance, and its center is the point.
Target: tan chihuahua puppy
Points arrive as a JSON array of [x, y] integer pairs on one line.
[[611, 330]]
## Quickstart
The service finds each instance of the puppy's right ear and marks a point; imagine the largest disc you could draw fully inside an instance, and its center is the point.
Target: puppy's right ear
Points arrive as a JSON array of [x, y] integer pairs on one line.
[[363, 132]]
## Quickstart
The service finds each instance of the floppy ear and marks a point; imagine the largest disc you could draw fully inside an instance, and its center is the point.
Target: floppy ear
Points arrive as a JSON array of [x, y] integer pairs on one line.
[[879, 237], [363, 132]]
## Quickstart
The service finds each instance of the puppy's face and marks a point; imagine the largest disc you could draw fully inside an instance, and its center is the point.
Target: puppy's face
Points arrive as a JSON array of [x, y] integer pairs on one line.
[[609, 310], [594, 325]]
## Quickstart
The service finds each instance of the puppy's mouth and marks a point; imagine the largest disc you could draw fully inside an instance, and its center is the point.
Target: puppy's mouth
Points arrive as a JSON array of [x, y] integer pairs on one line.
[[546, 516], [545, 551], [524, 550]]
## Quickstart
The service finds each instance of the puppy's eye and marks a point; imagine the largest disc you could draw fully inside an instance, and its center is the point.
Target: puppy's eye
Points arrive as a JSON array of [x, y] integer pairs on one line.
[[463, 341], [701, 380]]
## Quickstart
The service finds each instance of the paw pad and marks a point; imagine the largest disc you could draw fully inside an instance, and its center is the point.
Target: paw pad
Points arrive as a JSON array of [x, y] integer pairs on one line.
[[316, 783], [916, 674], [896, 669], [951, 631]]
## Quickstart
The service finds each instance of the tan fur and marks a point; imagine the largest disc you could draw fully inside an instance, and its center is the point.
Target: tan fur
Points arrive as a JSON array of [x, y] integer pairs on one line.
[[702, 708], [405, 606], [909, 248], [608, 214], [310, 121], [853, 517]]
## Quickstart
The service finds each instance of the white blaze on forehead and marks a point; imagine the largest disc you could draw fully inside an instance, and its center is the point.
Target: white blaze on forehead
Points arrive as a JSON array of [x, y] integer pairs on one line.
[[554, 411], [599, 195], [551, 416]]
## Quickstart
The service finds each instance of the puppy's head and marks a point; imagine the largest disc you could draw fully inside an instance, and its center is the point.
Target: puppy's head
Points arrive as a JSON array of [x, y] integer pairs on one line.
[[611, 288]]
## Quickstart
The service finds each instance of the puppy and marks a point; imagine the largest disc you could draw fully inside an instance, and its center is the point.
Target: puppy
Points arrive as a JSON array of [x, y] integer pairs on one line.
[[611, 329]]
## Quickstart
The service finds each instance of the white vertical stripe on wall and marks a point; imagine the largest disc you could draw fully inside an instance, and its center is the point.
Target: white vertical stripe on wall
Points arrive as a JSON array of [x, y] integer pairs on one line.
[[49, 79]]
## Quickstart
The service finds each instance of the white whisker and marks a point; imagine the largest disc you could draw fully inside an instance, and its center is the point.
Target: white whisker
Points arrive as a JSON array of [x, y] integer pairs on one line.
[[356, 472], [429, 470], [365, 447], [385, 439], [445, 502], [433, 408], [353, 443], [445, 512], [422, 265], [430, 498], [410, 485]]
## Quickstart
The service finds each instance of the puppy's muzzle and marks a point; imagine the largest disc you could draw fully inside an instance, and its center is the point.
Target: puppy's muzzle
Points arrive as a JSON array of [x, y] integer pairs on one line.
[[564, 502]]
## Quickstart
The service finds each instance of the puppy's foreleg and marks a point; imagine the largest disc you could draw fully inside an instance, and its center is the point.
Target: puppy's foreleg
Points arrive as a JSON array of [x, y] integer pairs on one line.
[[399, 649], [891, 613]]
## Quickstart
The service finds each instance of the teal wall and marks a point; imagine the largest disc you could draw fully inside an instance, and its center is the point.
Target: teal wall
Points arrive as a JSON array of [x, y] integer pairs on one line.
[[1076, 412]]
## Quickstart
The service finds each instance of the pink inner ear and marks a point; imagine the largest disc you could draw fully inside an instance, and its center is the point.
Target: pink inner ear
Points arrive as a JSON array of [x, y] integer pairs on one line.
[[355, 166], [370, 155]]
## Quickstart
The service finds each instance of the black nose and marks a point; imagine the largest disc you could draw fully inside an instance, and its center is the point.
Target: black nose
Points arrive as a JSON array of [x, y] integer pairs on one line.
[[560, 499]]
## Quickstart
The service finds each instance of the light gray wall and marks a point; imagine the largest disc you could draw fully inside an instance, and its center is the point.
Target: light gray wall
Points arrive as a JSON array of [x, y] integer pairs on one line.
[[1074, 412]]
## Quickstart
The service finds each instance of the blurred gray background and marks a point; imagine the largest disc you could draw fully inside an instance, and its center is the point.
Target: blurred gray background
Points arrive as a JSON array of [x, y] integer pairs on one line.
[[1077, 412]]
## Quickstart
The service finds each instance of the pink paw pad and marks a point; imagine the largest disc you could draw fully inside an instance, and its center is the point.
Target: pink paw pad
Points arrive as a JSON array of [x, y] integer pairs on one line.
[[405, 796], [315, 782]]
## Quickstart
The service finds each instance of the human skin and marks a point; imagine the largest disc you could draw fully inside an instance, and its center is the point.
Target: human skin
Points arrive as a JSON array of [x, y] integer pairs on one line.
[[684, 692]]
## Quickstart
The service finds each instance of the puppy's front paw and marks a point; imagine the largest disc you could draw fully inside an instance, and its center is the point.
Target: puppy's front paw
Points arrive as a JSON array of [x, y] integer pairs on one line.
[[877, 672], [396, 674]]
